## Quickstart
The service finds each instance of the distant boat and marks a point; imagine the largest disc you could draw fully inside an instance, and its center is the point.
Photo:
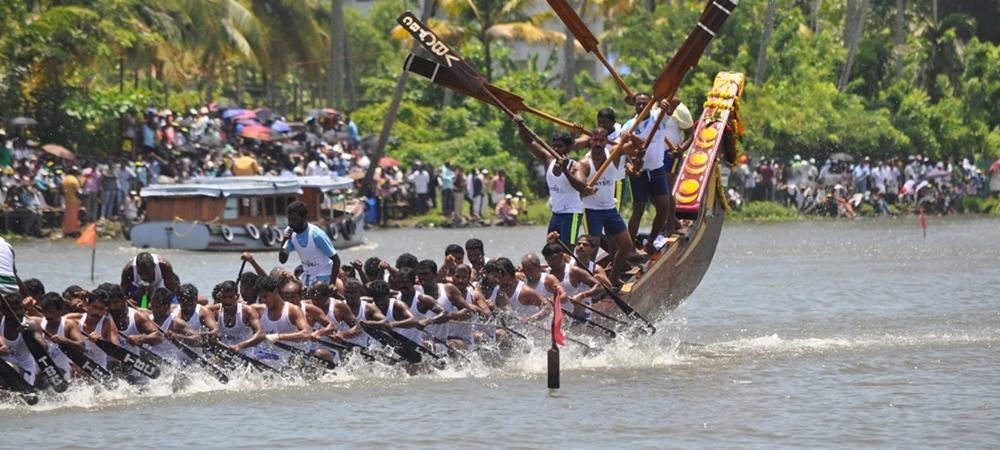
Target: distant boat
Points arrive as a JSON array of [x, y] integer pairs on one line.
[[245, 213]]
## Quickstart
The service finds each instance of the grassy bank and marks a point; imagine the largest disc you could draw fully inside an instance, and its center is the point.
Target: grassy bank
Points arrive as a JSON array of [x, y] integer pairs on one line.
[[776, 212]]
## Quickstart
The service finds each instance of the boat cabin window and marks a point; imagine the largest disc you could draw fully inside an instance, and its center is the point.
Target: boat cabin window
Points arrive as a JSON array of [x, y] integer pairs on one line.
[[230, 212], [274, 206]]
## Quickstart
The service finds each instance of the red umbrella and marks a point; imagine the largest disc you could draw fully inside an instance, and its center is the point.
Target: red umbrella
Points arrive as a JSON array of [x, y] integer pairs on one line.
[[258, 132], [59, 151], [388, 162], [994, 167]]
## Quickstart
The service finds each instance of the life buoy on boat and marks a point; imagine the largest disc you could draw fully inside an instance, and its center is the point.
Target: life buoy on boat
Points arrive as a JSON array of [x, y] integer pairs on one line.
[[273, 237], [227, 234], [332, 231], [253, 231], [349, 228]]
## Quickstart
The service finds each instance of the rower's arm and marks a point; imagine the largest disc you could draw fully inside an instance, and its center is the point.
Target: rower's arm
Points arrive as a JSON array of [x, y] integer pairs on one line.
[[182, 332], [170, 279], [298, 319], [407, 321], [127, 278], [573, 176], [534, 298], [208, 320], [464, 309], [152, 334], [529, 141], [586, 278], [109, 332], [253, 321], [440, 317], [253, 263], [318, 315], [74, 337], [342, 311]]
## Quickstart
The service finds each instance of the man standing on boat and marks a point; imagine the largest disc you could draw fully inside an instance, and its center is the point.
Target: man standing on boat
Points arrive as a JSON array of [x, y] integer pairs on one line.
[[319, 259]]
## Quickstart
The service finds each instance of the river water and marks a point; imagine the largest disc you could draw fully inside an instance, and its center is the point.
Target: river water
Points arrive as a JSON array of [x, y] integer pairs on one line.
[[817, 334]]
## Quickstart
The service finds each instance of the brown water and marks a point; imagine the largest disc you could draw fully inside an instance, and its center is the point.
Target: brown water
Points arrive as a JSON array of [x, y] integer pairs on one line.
[[830, 334]]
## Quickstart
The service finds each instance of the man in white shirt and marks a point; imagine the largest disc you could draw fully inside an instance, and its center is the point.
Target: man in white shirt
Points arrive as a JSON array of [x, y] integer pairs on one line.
[[421, 179]]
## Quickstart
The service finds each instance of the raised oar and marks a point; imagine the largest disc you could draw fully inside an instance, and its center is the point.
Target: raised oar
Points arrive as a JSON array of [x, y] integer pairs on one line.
[[308, 357], [467, 75], [448, 348], [447, 77], [712, 18], [212, 369], [625, 307], [607, 331], [39, 352], [240, 275], [586, 39], [15, 383], [129, 359]]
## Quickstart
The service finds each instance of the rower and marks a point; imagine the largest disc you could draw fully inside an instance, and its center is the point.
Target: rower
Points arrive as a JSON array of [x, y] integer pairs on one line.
[[451, 300], [577, 284], [248, 287], [199, 318], [13, 349], [599, 206], [172, 327], [319, 258], [423, 308], [462, 280], [586, 249], [395, 314], [134, 328], [145, 273], [343, 324], [512, 294], [348, 321], [279, 320], [477, 256], [540, 280], [291, 292], [454, 255], [239, 325], [95, 324], [59, 330], [564, 191]]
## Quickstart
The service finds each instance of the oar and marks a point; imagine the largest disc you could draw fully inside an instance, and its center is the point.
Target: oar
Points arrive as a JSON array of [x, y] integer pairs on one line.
[[87, 365], [628, 310], [129, 359], [39, 352], [470, 77], [412, 351], [606, 316], [586, 38], [345, 348], [15, 383], [239, 277], [448, 348], [712, 18], [213, 345], [309, 357], [212, 369], [447, 77], [607, 331]]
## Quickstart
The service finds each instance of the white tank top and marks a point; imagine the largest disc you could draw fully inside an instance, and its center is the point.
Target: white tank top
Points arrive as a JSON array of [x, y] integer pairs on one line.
[[195, 321], [166, 349], [443, 330], [362, 339], [563, 199], [412, 334], [604, 198], [515, 303], [157, 281], [573, 290], [92, 350], [7, 263], [539, 286], [58, 357], [19, 353], [282, 325], [314, 262], [237, 333], [131, 330]]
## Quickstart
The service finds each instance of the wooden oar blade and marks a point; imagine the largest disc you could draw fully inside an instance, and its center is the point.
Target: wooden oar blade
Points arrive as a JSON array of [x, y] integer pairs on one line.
[[447, 77], [575, 24], [467, 75], [687, 55]]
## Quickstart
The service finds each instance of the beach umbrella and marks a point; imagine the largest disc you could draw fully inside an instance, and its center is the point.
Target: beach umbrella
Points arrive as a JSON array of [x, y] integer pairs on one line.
[[936, 173], [388, 162], [22, 122], [280, 127], [841, 157], [230, 113], [245, 115], [258, 132], [994, 167], [58, 151]]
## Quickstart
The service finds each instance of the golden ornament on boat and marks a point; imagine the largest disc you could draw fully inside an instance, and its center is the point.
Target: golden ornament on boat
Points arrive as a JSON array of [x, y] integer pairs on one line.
[[688, 187]]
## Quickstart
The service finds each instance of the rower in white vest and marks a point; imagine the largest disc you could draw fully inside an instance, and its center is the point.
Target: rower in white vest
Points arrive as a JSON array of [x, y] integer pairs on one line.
[[13, 349], [174, 329], [239, 325], [451, 300], [280, 320], [576, 283], [423, 308], [59, 330]]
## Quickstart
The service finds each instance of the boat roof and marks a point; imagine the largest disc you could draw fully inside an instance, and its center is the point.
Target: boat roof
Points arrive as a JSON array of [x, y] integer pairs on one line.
[[246, 186]]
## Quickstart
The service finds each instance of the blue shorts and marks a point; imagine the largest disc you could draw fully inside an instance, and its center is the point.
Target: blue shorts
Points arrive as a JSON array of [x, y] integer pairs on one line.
[[607, 221], [649, 183], [568, 226]]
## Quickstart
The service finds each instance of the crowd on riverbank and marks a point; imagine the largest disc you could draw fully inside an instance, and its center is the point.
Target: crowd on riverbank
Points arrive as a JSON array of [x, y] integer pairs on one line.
[[840, 187]]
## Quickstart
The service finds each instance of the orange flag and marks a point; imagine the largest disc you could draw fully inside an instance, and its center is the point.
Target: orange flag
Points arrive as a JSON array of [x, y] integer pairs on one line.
[[89, 237]]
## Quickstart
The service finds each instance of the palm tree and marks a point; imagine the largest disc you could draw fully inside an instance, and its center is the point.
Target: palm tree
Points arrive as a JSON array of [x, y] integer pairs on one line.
[[489, 20], [854, 23]]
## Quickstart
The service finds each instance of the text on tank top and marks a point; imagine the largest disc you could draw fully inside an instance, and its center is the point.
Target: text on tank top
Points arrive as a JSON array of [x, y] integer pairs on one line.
[[563, 199], [281, 325], [604, 198]]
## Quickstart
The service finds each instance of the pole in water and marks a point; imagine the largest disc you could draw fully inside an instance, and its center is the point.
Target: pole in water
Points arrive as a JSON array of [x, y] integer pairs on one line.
[[923, 221], [93, 257], [553, 355]]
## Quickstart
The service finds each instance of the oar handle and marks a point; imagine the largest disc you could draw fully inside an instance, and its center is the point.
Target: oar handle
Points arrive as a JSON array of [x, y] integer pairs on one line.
[[240, 275], [607, 331], [617, 150], [614, 74]]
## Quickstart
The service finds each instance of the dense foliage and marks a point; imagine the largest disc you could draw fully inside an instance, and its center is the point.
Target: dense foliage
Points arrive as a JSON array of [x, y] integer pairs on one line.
[[76, 65]]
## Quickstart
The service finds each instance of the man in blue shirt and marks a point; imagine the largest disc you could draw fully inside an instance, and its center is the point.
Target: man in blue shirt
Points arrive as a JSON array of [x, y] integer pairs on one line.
[[320, 261]]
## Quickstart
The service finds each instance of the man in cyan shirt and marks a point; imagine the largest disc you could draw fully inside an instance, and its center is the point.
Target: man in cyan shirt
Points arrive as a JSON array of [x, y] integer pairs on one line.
[[320, 261]]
